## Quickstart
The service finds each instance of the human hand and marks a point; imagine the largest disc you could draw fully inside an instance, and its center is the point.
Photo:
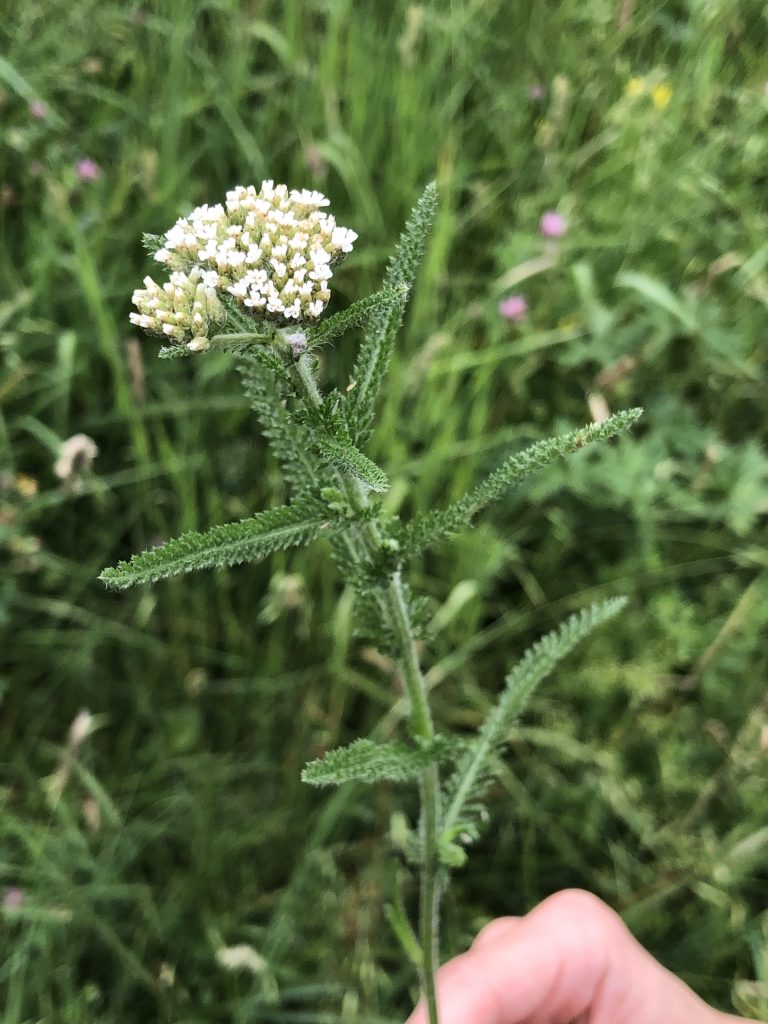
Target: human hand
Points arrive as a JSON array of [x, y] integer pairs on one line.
[[571, 960]]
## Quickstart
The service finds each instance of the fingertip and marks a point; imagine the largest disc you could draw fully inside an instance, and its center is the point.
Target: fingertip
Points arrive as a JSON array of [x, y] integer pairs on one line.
[[500, 929], [578, 915]]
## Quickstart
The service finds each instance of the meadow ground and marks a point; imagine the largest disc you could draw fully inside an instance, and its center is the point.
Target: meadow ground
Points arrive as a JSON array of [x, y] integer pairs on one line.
[[179, 828]]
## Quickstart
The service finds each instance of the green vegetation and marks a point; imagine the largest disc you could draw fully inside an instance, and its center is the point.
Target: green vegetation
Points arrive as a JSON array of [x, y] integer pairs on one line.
[[178, 829]]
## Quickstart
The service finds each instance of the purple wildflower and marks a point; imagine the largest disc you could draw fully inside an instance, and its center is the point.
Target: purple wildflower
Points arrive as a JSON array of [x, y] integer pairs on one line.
[[38, 110], [514, 307], [552, 224], [13, 898], [87, 169]]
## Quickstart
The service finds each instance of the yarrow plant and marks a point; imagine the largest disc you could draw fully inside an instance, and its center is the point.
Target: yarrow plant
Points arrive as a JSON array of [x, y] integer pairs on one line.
[[251, 276]]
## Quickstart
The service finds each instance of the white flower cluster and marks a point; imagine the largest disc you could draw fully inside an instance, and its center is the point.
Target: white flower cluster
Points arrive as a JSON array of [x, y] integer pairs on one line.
[[272, 249], [183, 310]]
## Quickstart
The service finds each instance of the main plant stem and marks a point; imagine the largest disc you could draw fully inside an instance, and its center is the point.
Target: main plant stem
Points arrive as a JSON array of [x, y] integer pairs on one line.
[[396, 609], [429, 789]]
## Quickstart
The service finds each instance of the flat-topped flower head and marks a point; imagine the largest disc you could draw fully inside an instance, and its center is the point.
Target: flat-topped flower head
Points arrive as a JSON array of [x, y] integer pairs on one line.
[[273, 249], [185, 310]]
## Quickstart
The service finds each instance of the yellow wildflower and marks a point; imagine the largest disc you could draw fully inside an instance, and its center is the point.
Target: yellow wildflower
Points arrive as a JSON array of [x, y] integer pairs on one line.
[[661, 95], [27, 486], [635, 87], [570, 322]]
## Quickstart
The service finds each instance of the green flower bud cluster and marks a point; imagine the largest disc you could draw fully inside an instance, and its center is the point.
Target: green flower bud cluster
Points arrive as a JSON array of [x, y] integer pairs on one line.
[[186, 310]]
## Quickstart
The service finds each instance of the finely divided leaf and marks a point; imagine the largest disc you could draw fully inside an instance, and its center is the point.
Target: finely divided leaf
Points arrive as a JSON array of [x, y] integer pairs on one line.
[[376, 350], [361, 312], [151, 243], [406, 259], [233, 345], [289, 439], [430, 527], [269, 360], [348, 459], [231, 544], [475, 769], [174, 352], [366, 761], [238, 319]]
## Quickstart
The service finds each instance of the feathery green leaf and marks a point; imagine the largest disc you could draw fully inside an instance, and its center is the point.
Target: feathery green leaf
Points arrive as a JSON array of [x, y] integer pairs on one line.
[[246, 541], [270, 360], [174, 352], [406, 259], [290, 440], [430, 527], [239, 319], [375, 352], [366, 761], [360, 312], [344, 456], [233, 345], [151, 243], [475, 769]]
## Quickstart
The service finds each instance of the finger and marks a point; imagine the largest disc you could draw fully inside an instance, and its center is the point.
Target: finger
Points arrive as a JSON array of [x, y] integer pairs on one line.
[[496, 931], [570, 959], [550, 967]]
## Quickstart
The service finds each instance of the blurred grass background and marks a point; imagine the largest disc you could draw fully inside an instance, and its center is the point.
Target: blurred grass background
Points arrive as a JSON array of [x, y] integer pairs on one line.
[[178, 828]]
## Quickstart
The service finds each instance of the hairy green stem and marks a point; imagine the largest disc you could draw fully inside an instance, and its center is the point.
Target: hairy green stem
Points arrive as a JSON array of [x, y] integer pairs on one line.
[[429, 789], [395, 606], [305, 378], [430, 890], [233, 339]]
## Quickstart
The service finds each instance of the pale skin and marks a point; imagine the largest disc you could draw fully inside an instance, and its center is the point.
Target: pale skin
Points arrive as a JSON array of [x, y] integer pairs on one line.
[[571, 960]]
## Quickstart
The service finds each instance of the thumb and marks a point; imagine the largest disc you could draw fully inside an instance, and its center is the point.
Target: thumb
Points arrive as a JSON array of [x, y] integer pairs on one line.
[[571, 957]]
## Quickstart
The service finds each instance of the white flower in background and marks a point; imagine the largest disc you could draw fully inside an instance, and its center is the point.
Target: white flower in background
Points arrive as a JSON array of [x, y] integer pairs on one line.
[[183, 310], [76, 455], [239, 958], [272, 249], [82, 727]]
